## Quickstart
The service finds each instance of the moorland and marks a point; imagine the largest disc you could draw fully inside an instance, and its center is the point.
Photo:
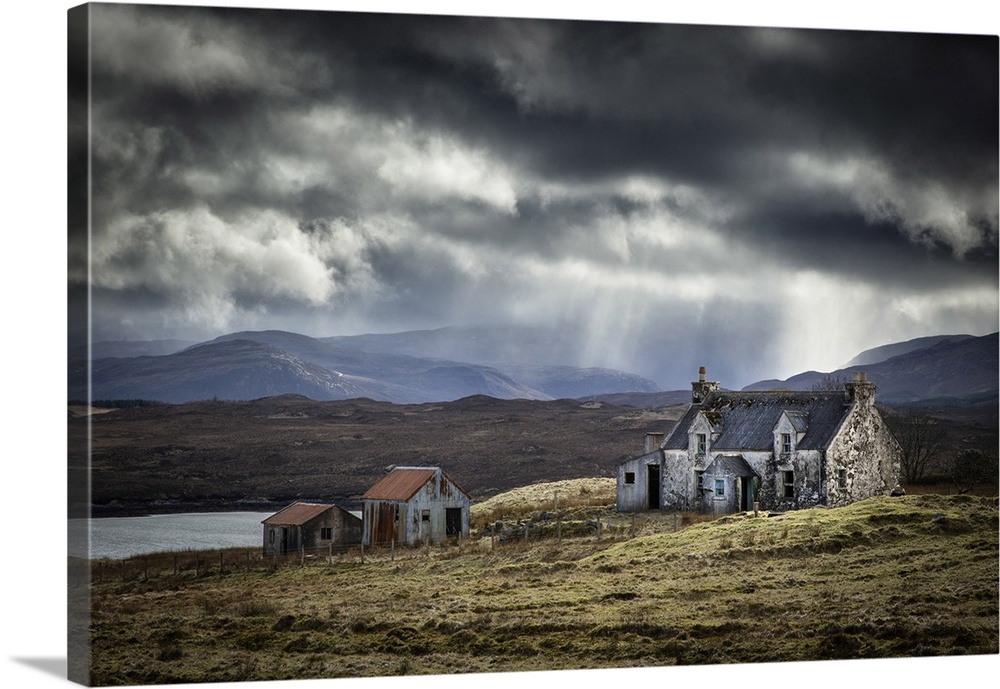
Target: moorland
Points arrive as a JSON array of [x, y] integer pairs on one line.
[[263, 454], [883, 578]]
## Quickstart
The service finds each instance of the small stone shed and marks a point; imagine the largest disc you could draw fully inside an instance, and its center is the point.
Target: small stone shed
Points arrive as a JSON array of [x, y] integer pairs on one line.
[[781, 449], [414, 505], [307, 526]]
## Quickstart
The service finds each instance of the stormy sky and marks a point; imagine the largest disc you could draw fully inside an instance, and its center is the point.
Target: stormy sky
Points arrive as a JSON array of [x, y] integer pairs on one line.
[[761, 200]]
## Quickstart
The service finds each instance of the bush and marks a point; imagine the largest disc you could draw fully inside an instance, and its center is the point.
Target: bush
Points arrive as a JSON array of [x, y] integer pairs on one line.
[[972, 468]]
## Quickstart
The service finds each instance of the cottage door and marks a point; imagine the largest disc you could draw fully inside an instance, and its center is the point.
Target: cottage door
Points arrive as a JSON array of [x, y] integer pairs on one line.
[[653, 486], [746, 493]]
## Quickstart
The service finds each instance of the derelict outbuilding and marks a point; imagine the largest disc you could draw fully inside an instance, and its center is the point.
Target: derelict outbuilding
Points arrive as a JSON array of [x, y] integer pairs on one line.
[[412, 505], [306, 526]]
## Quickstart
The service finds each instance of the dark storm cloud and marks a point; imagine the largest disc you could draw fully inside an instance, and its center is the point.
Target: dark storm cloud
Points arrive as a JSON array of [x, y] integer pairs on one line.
[[383, 171]]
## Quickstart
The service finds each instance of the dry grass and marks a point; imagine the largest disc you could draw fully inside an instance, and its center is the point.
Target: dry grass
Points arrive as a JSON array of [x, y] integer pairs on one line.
[[525, 501], [904, 577]]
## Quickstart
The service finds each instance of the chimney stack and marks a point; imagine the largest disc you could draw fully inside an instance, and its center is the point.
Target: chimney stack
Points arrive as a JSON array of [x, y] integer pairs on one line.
[[701, 387], [860, 389], [653, 441]]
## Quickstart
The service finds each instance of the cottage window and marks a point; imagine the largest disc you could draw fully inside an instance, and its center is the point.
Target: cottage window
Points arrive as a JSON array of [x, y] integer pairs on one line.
[[842, 478], [700, 477], [786, 443], [702, 442], [720, 488], [326, 533], [788, 480], [630, 477], [270, 536], [425, 515]]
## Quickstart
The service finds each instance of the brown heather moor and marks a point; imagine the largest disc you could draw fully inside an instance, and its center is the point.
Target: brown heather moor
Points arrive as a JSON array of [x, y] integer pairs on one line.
[[887, 577]]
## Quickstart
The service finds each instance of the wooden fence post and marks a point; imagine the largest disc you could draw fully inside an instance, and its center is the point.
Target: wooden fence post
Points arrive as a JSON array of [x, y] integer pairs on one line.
[[555, 508], [362, 552]]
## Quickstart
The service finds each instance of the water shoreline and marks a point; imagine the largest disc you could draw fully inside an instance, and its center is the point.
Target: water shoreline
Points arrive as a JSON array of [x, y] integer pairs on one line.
[[157, 507], [125, 537]]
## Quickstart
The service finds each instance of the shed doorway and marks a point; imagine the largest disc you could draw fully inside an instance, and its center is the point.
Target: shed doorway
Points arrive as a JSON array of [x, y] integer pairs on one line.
[[653, 486], [453, 521]]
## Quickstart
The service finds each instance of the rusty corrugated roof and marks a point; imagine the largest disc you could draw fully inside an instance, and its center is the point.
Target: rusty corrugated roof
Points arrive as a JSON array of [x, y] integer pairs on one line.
[[297, 513], [399, 484]]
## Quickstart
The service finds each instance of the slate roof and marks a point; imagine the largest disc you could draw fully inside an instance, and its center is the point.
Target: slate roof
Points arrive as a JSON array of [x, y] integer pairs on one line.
[[747, 419], [734, 464], [297, 513], [800, 420]]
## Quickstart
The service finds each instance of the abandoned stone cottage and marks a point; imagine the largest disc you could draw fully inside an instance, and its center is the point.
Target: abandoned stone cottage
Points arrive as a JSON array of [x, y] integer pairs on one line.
[[782, 449]]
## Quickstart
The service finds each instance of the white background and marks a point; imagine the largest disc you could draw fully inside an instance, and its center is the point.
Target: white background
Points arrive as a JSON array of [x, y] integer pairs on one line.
[[33, 271]]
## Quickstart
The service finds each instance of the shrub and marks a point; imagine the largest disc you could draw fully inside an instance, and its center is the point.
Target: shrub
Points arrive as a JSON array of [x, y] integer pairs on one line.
[[971, 468]]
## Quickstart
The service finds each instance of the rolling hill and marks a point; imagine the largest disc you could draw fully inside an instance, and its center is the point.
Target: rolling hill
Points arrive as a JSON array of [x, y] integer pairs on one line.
[[251, 365], [947, 372], [451, 363]]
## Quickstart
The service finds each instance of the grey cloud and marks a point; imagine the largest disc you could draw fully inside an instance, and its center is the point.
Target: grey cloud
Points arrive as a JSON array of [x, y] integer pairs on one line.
[[351, 168]]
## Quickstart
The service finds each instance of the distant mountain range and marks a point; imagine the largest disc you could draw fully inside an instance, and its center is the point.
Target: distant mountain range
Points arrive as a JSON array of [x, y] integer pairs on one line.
[[956, 370], [877, 354], [452, 363], [251, 365]]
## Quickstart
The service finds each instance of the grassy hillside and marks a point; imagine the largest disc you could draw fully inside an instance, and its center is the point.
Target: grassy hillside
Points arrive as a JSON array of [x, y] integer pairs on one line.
[[887, 577]]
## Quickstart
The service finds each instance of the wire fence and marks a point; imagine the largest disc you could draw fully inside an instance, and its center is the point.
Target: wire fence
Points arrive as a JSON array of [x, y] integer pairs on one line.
[[226, 561], [204, 563]]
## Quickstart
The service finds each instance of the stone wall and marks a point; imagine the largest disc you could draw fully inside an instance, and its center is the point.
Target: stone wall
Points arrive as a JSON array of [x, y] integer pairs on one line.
[[864, 458]]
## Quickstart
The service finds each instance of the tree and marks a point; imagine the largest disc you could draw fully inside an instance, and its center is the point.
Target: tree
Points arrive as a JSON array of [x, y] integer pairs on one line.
[[921, 438], [829, 383], [972, 468]]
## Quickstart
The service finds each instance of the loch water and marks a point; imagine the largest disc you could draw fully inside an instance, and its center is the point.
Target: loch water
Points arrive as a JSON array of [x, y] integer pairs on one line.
[[121, 537]]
